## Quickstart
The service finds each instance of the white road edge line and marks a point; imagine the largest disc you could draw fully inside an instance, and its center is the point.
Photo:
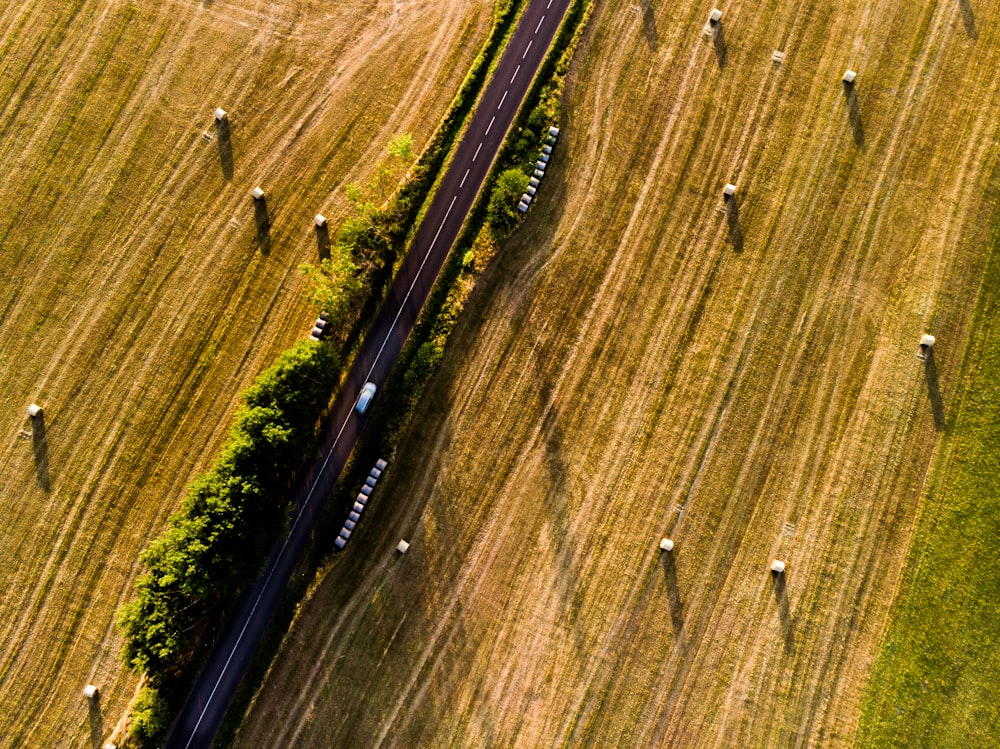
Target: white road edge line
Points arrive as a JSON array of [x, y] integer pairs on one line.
[[490, 125], [291, 531], [477, 151], [527, 48], [410, 290], [540, 24], [502, 100], [515, 73], [460, 184]]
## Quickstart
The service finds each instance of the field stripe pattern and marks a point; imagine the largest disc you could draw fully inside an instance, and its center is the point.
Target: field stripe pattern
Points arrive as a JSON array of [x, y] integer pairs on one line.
[[636, 364], [137, 300]]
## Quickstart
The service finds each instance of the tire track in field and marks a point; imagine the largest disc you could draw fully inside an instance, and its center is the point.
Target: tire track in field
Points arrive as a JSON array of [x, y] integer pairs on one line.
[[104, 463], [654, 354], [782, 400], [82, 534]]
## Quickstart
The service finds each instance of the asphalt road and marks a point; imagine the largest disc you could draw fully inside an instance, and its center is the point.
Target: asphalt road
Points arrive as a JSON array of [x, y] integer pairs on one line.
[[208, 702]]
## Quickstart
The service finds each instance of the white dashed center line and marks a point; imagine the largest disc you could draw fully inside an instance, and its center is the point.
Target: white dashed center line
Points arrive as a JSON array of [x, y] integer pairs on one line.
[[527, 48], [549, 5], [540, 24], [502, 100], [463, 179], [489, 126], [477, 149], [515, 73]]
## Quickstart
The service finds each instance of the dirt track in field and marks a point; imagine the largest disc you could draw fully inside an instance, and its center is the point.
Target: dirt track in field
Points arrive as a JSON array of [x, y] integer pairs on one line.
[[644, 361], [137, 298]]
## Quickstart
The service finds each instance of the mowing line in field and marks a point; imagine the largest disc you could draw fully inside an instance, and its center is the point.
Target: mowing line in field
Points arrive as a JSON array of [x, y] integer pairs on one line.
[[477, 151], [502, 100], [312, 489], [464, 177], [518, 68], [527, 48]]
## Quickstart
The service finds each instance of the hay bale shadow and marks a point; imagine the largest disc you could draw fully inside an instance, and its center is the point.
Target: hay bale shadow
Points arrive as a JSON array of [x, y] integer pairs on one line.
[[40, 444], [934, 389], [649, 25], [263, 223], [323, 241], [784, 610], [969, 19], [733, 219], [854, 114], [719, 42], [96, 722], [225, 147], [673, 595]]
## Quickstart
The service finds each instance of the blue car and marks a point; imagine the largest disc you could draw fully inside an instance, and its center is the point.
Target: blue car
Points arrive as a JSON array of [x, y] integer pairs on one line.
[[365, 399]]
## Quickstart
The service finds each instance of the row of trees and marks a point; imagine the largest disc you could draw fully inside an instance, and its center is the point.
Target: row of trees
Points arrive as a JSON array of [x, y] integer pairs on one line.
[[368, 240], [214, 547]]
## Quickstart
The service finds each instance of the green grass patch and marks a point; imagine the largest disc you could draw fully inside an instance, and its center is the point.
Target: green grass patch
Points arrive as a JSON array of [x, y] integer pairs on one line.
[[936, 679]]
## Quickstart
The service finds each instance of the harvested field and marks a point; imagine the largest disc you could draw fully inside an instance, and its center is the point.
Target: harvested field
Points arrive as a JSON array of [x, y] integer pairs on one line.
[[936, 678], [139, 296], [644, 361]]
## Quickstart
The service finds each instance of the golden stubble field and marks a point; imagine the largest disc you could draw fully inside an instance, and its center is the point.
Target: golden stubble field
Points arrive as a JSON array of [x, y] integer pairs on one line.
[[638, 363], [136, 299]]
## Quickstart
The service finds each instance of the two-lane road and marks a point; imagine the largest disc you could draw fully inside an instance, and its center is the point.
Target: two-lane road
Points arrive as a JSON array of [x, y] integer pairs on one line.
[[208, 702]]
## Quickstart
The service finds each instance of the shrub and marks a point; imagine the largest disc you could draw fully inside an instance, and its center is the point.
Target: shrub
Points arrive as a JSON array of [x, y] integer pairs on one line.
[[502, 213], [151, 716]]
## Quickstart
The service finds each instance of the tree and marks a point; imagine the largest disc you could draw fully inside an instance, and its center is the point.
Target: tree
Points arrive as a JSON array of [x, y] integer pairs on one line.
[[336, 284], [401, 146], [214, 547], [502, 210]]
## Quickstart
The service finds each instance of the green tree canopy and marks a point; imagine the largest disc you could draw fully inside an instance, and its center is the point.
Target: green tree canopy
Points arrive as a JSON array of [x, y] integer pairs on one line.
[[502, 210]]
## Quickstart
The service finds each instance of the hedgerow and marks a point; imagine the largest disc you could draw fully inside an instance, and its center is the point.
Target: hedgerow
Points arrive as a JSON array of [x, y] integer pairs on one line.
[[214, 547]]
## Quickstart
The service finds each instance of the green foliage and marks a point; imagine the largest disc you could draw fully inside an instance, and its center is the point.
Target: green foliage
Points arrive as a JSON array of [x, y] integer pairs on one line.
[[174, 600], [401, 147], [367, 240], [215, 546], [335, 285], [151, 717], [502, 213], [424, 362]]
